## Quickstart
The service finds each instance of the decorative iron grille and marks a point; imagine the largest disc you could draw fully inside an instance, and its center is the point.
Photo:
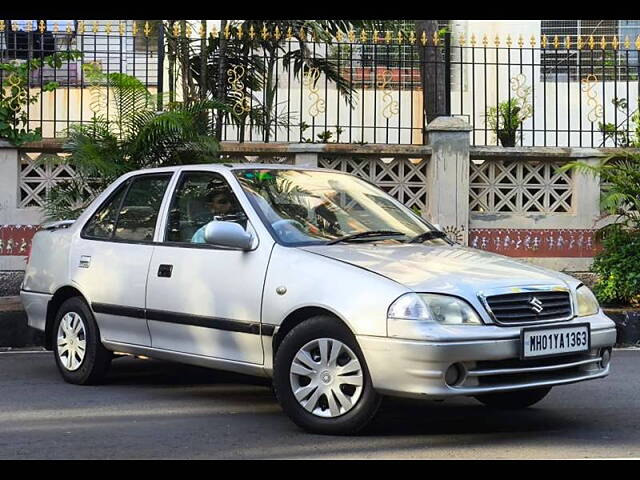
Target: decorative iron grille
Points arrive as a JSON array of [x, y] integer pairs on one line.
[[403, 178], [38, 174], [520, 186]]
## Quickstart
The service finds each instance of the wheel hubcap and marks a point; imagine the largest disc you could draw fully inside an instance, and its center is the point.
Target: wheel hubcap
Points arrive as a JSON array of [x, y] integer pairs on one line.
[[72, 341], [326, 378]]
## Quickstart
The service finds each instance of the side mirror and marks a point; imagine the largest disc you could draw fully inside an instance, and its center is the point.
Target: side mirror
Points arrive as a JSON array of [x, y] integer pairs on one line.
[[227, 234]]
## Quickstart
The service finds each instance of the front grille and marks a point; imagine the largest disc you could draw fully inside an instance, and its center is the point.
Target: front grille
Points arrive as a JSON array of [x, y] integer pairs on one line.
[[516, 308]]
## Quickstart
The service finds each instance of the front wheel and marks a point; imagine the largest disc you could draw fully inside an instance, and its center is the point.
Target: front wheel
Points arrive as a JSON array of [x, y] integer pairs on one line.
[[514, 400], [321, 379], [79, 354]]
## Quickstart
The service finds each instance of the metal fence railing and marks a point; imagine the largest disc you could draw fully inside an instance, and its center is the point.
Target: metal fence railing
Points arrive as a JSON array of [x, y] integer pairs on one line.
[[354, 87], [35, 55], [574, 91]]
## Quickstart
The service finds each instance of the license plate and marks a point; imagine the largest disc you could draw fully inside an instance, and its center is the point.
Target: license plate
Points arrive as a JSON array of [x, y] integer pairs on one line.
[[551, 341]]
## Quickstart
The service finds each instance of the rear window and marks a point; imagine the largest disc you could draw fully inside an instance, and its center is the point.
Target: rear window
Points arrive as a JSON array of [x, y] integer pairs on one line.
[[131, 213]]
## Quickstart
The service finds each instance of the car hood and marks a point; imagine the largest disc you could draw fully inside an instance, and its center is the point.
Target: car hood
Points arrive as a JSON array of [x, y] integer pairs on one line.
[[441, 268]]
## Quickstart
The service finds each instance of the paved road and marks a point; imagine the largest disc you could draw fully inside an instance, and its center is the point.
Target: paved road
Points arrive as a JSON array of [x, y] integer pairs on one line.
[[152, 409]]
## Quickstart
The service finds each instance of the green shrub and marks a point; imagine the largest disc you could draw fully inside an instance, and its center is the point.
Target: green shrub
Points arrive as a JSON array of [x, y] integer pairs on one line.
[[618, 264], [618, 267], [505, 120]]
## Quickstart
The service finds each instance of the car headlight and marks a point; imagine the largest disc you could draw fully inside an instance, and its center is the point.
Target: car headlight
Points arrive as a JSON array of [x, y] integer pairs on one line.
[[411, 310], [587, 302]]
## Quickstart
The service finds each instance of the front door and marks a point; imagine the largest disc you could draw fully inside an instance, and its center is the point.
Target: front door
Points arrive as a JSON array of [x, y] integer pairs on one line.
[[201, 299]]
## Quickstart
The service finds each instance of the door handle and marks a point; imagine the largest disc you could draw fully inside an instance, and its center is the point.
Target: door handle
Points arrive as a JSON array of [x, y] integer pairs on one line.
[[165, 270]]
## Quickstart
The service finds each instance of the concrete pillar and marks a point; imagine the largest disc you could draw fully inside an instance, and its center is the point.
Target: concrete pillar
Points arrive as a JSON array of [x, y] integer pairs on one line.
[[17, 225], [9, 191], [586, 187], [448, 176], [9, 176], [306, 154]]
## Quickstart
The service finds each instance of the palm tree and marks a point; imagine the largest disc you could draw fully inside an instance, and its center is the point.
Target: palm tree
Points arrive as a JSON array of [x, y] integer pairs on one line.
[[259, 51], [134, 136]]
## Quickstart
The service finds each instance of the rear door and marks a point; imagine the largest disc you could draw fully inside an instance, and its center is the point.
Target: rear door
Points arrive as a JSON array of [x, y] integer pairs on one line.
[[111, 259]]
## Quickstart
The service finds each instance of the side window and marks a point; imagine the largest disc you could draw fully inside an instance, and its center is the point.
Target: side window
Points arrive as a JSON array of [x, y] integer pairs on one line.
[[140, 208], [199, 198], [103, 223], [131, 212]]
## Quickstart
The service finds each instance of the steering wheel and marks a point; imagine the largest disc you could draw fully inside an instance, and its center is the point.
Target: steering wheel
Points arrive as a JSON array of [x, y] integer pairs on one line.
[[289, 229]]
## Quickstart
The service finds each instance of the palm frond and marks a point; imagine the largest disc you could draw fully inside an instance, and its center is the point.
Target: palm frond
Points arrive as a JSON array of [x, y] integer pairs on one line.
[[134, 137], [67, 200]]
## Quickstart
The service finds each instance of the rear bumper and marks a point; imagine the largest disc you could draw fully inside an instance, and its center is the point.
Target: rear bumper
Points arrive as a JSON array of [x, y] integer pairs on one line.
[[35, 304], [417, 368]]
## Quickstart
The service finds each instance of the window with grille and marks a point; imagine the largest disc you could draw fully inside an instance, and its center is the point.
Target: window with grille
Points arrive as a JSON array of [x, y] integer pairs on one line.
[[572, 64], [22, 39]]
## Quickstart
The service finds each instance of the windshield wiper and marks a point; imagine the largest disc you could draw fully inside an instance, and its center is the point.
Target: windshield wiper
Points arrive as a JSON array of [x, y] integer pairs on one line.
[[363, 235], [429, 235]]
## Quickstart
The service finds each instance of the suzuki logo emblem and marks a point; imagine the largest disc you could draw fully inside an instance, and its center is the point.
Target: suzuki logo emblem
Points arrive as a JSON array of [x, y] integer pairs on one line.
[[536, 305]]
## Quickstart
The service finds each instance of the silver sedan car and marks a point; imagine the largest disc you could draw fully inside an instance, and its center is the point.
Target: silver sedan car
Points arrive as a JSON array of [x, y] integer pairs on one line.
[[312, 277]]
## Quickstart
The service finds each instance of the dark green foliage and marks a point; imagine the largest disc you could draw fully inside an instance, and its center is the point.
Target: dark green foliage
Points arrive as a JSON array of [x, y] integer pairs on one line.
[[134, 137], [618, 267]]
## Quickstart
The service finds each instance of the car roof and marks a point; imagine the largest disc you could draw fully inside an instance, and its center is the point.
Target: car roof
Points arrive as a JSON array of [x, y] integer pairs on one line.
[[217, 167]]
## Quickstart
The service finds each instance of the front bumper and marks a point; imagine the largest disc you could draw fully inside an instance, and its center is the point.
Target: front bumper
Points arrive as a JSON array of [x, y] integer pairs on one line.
[[410, 368]]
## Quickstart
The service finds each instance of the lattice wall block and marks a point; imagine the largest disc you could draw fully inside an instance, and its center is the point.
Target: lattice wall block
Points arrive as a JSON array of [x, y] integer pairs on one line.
[[404, 179], [37, 177], [520, 186]]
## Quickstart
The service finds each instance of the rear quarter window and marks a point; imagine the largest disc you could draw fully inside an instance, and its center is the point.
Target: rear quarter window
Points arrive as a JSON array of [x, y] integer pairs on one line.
[[103, 223]]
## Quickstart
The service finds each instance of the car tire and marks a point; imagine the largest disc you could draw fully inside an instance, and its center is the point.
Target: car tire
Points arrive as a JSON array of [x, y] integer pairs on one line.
[[352, 406], [514, 400], [79, 353]]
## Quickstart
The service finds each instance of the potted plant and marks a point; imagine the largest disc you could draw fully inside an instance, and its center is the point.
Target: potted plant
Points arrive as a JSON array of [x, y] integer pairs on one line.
[[505, 120]]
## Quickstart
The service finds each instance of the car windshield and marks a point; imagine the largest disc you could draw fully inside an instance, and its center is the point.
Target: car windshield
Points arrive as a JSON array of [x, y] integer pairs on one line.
[[316, 207]]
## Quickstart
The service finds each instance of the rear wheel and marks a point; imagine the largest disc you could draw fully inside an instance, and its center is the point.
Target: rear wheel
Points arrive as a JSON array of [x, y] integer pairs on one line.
[[514, 400], [321, 379], [80, 356]]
